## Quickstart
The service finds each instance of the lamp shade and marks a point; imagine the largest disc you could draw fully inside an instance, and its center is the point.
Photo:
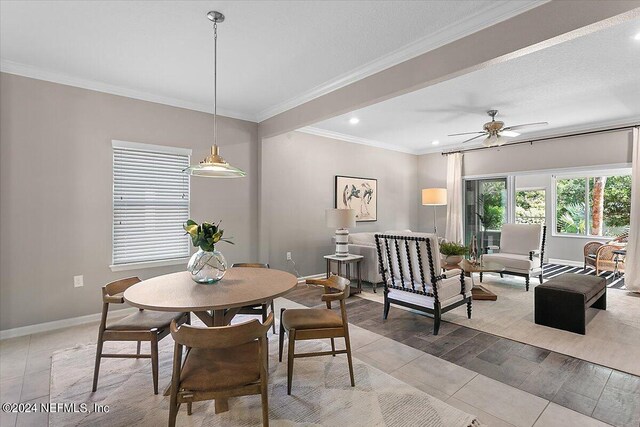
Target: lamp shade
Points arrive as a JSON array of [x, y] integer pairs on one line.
[[215, 166], [340, 218], [434, 196]]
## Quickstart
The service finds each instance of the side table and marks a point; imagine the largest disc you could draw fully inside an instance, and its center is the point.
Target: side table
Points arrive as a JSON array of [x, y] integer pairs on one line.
[[346, 261]]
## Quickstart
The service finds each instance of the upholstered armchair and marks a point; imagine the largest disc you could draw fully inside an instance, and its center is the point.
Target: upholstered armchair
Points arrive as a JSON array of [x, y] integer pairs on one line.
[[410, 267], [601, 257], [521, 251]]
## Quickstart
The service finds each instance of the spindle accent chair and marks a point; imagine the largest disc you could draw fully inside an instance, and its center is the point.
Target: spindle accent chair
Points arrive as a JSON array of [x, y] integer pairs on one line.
[[410, 267]]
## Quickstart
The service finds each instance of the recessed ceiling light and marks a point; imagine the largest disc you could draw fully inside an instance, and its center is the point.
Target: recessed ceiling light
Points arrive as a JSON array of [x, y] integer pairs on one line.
[[436, 142], [354, 120], [637, 37]]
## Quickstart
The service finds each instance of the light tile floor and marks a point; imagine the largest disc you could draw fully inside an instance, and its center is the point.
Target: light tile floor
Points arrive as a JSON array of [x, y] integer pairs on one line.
[[25, 368]]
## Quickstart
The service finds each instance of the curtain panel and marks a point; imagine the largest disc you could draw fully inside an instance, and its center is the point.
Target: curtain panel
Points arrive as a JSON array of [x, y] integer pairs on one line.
[[632, 260], [454, 230]]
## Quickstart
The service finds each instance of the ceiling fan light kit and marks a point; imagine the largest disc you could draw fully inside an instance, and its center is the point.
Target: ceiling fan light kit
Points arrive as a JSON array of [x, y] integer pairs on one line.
[[495, 132], [214, 165]]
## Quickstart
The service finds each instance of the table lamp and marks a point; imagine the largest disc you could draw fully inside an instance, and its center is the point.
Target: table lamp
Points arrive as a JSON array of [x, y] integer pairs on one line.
[[341, 220], [434, 197]]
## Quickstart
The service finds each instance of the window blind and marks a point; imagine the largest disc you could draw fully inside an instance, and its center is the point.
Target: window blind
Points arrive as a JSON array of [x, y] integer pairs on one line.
[[150, 203]]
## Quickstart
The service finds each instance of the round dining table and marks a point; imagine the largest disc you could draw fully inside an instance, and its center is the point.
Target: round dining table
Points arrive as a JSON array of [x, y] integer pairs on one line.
[[215, 304]]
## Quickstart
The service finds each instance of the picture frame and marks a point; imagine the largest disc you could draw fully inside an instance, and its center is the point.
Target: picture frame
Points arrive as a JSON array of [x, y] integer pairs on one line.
[[360, 194]]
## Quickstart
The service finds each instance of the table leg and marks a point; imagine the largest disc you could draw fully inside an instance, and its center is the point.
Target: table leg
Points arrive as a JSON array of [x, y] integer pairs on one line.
[[206, 318], [219, 319], [328, 267], [347, 272], [359, 277]]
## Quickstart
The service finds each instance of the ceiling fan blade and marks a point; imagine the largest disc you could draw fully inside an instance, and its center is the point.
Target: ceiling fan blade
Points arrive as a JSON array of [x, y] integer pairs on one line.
[[509, 133], [525, 125], [465, 133], [475, 137]]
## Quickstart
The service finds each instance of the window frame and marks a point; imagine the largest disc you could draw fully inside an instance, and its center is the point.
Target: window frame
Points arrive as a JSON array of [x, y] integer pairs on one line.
[[586, 175], [160, 149]]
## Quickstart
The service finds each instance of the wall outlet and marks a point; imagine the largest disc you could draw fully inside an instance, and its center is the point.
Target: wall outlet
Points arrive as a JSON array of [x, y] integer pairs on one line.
[[288, 256], [78, 281]]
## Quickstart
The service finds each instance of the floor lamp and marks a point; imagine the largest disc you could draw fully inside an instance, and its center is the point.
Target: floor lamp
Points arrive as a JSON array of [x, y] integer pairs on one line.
[[434, 197]]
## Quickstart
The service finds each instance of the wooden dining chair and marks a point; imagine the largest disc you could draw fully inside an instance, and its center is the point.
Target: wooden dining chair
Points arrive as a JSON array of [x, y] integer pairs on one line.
[[221, 362], [144, 325], [317, 323], [257, 309]]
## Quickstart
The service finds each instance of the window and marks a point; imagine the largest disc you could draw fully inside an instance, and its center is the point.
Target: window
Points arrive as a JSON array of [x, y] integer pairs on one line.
[[596, 205], [150, 203], [530, 206]]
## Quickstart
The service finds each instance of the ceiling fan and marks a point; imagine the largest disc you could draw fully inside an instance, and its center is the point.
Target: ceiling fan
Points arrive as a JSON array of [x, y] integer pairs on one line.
[[495, 131]]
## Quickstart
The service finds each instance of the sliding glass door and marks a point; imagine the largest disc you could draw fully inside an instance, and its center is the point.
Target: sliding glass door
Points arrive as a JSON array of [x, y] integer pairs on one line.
[[487, 207]]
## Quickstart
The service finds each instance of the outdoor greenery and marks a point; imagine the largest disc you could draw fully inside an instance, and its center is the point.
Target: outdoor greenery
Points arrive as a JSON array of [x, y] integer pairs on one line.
[[492, 206], [205, 235], [452, 248], [573, 214], [530, 207]]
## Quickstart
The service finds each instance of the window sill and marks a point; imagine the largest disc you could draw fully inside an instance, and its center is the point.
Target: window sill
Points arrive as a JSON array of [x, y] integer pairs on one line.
[[148, 264], [582, 236]]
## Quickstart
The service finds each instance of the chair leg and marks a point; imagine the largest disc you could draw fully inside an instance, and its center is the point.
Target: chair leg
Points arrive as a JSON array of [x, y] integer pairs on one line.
[[96, 369], [173, 408], [101, 328], [347, 343], [387, 305], [265, 403], [502, 275], [333, 347], [138, 348], [281, 337], [154, 361], [526, 283], [436, 319], [290, 353], [481, 277], [469, 307], [189, 408], [540, 278], [273, 310]]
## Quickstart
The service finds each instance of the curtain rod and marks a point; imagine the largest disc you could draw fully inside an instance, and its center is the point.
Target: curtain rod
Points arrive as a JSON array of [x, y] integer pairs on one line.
[[531, 141]]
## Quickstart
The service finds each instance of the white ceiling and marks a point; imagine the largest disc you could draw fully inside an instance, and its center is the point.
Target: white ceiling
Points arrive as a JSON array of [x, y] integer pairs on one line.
[[580, 84], [273, 55]]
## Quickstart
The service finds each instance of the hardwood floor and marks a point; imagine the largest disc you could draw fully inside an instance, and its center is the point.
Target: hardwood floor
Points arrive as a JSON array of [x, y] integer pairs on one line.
[[606, 394]]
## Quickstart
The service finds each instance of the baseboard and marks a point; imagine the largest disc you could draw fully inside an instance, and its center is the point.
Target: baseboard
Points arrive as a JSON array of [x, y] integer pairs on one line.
[[59, 324], [565, 262], [81, 320]]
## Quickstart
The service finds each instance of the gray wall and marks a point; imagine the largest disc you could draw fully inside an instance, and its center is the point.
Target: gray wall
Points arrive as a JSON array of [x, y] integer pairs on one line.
[[55, 191], [298, 171], [598, 150]]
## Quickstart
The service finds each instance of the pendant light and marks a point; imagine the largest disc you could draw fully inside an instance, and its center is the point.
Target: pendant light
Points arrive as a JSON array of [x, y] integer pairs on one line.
[[214, 165]]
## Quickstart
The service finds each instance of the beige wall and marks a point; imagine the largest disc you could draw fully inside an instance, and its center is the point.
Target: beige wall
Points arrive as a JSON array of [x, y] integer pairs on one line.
[[590, 151], [55, 191], [298, 172]]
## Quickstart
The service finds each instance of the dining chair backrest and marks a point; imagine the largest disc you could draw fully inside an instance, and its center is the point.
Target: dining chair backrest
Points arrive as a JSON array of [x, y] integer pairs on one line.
[[221, 336], [250, 265], [111, 290]]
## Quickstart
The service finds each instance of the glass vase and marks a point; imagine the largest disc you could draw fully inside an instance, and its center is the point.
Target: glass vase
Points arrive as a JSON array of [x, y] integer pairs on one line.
[[207, 267]]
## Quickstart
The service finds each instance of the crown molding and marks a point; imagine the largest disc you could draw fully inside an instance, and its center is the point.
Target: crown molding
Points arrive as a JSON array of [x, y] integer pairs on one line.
[[355, 139], [24, 70], [448, 34], [558, 133]]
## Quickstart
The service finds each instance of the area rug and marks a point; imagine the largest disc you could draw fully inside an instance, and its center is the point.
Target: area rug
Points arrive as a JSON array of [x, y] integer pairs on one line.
[[612, 334], [613, 281], [321, 394]]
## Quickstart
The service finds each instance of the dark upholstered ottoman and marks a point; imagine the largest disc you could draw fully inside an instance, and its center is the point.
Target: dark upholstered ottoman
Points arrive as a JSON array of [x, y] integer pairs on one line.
[[562, 302]]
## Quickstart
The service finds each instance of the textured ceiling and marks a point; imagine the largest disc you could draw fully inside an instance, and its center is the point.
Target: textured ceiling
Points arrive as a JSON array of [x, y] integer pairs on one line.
[[582, 83], [270, 52]]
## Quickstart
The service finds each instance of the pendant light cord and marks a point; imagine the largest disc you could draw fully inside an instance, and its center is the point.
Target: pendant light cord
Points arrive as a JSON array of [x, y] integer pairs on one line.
[[215, 81]]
